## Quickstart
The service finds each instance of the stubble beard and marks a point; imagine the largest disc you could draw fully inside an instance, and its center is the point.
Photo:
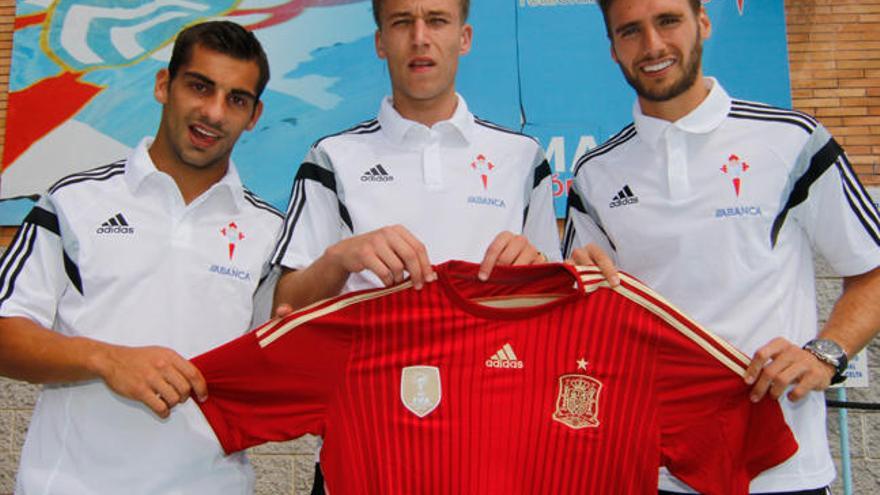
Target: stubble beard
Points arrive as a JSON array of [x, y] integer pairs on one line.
[[688, 79]]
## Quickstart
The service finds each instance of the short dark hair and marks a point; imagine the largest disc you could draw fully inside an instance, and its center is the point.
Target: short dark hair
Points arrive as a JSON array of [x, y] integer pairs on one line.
[[223, 37], [465, 8], [604, 5]]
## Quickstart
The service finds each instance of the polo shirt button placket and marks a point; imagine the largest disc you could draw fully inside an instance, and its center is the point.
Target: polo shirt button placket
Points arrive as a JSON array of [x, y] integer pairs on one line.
[[431, 163], [676, 163]]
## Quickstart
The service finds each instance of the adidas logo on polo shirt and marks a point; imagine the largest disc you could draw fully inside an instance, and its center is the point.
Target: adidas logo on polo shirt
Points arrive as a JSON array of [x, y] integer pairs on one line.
[[504, 358], [377, 174], [115, 225], [624, 197]]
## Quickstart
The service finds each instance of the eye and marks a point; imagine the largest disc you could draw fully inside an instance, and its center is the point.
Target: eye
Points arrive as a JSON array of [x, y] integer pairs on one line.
[[198, 86], [401, 22], [238, 101], [627, 31], [669, 21], [437, 21]]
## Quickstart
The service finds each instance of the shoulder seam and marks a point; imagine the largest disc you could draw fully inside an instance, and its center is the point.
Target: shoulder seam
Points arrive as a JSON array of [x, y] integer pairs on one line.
[[96, 174], [614, 141], [500, 128], [274, 330], [365, 127], [260, 203]]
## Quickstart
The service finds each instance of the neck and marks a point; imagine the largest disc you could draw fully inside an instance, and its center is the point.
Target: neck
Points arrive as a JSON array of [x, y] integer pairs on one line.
[[426, 112], [674, 109], [191, 181]]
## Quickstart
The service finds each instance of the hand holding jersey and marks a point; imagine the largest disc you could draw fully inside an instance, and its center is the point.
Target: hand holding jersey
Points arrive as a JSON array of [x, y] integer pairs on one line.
[[591, 254], [156, 376]]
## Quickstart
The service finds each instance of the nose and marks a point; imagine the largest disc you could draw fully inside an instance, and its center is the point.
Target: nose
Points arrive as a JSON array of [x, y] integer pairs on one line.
[[214, 108], [419, 32], [652, 42]]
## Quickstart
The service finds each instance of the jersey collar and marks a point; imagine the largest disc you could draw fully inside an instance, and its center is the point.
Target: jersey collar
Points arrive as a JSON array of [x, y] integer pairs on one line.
[[411, 134], [703, 119], [139, 167]]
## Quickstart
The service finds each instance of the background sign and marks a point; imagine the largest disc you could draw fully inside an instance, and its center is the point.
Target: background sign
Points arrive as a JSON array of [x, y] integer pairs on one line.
[[83, 71]]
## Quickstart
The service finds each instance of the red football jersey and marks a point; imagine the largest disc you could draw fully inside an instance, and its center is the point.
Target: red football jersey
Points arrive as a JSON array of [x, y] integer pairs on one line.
[[541, 380]]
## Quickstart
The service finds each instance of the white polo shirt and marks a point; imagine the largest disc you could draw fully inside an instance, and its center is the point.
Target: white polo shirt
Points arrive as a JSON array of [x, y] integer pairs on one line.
[[114, 254], [720, 212], [455, 186]]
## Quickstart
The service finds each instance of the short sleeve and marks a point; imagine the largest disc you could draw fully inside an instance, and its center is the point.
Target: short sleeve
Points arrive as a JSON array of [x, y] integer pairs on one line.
[[582, 225], [35, 269], [540, 221], [315, 218], [713, 437], [275, 383], [831, 205]]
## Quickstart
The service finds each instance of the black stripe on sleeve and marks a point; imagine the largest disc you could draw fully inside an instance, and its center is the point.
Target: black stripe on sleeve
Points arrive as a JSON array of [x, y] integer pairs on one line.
[[574, 203], [15, 257], [43, 218], [311, 171], [820, 162], [73, 273], [297, 203], [542, 171], [863, 210], [346, 216]]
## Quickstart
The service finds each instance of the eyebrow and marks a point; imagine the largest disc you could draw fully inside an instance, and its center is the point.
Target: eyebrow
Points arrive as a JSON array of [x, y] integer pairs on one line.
[[407, 14], [210, 82]]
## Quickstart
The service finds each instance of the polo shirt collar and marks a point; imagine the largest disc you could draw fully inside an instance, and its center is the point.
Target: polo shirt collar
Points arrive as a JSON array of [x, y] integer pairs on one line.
[[139, 167], [704, 119], [405, 132]]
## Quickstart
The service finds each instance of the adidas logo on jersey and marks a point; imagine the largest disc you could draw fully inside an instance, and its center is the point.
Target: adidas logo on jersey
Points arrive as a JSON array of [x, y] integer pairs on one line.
[[377, 174], [504, 358], [624, 197], [115, 225]]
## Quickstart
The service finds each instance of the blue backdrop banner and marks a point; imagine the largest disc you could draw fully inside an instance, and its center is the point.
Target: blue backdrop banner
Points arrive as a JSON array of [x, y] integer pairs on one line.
[[83, 72]]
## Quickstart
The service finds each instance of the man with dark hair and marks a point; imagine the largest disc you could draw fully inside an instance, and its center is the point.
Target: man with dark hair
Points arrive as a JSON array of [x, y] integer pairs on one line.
[[120, 274], [425, 182], [223, 37], [733, 199]]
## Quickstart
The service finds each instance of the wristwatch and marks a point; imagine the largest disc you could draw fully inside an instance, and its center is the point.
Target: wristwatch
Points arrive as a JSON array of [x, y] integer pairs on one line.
[[829, 351]]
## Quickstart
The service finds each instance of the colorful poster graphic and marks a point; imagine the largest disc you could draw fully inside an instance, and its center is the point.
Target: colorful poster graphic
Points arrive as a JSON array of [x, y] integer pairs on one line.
[[83, 71]]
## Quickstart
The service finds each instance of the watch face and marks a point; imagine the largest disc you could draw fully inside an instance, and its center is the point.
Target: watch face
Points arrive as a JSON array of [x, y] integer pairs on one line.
[[828, 347]]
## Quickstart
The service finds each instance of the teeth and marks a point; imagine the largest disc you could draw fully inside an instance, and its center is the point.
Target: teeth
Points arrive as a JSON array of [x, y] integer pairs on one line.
[[658, 66], [203, 132]]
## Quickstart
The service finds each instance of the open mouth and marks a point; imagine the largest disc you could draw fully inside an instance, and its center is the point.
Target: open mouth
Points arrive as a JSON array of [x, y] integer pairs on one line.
[[421, 64], [203, 137], [658, 66]]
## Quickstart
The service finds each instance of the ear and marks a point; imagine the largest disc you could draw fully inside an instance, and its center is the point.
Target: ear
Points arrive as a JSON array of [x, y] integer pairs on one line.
[[258, 110], [467, 36], [163, 83], [705, 24], [380, 49]]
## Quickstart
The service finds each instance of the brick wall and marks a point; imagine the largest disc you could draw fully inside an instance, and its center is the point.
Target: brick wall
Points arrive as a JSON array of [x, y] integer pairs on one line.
[[834, 54], [835, 70]]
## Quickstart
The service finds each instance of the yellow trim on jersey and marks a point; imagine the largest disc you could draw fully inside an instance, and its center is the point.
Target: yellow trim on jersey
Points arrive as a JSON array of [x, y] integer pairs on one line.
[[674, 319], [344, 302]]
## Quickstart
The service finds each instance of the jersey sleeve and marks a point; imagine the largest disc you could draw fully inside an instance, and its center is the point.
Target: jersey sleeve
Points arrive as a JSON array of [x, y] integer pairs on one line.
[[35, 269], [539, 225], [263, 388], [828, 201], [315, 217], [713, 437], [582, 223]]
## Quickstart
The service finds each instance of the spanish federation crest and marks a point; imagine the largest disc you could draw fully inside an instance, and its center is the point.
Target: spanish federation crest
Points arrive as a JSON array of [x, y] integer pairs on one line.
[[577, 402], [420, 389]]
